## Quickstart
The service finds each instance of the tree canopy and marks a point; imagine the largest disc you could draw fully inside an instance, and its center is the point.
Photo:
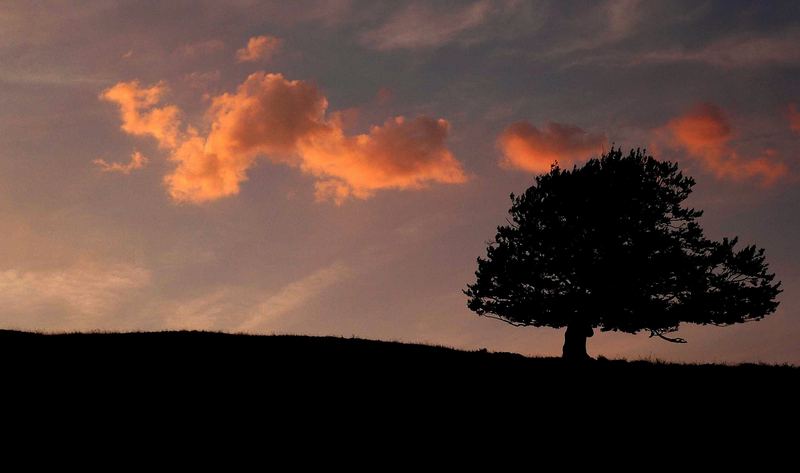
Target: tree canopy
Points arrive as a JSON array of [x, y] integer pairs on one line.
[[609, 245]]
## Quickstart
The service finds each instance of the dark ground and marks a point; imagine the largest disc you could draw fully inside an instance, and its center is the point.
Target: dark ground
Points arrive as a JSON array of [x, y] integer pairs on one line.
[[131, 394], [163, 388], [210, 361]]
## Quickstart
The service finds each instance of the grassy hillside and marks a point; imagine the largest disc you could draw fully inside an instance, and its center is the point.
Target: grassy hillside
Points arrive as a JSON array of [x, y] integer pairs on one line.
[[188, 355], [193, 382]]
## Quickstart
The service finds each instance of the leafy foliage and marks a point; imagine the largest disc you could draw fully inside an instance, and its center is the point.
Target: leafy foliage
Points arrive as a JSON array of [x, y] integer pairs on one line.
[[609, 245]]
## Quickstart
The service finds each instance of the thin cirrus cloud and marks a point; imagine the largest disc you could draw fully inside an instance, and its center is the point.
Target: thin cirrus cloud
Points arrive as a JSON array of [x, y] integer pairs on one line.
[[293, 296], [216, 309], [528, 148], [138, 161], [259, 48], [84, 289], [421, 26], [736, 51], [286, 121], [704, 132]]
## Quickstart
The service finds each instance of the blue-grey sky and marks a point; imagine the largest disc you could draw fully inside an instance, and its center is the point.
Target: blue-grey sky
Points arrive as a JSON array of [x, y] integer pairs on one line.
[[243, 165]]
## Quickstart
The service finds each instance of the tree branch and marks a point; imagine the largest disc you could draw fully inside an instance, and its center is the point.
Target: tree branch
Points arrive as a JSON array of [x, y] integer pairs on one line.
[[515, 324], [653, 333]]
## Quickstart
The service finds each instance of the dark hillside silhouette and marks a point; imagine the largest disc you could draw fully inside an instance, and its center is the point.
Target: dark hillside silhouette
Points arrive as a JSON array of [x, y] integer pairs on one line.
[[196, 379], [609, 245]]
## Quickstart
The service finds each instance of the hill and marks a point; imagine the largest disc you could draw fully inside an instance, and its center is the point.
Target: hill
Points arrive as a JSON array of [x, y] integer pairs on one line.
[[185, 358], [170, 386]]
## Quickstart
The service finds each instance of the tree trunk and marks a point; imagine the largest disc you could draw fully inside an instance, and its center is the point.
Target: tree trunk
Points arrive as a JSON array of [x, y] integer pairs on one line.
[[575, 342]]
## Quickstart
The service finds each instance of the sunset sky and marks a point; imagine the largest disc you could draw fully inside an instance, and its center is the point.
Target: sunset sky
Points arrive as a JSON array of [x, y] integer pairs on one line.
[[336, 167]]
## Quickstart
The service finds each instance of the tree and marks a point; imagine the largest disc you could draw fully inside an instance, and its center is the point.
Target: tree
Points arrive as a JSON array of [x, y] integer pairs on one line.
[[608, 245]]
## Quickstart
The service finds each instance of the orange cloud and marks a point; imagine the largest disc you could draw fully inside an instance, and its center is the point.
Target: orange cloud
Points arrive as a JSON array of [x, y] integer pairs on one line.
[[259, 48], [705, 133], [266, 116], [286, 122], [138, 161], [400, 154], [139, 113], [527, 148], [200, 175], [794, 118]]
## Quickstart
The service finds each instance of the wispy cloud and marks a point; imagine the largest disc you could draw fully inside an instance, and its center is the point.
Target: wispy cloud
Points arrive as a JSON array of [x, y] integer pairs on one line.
[[420, 25], [735, 51], [85, 290], [259, 48], [212, 311], [294, 295], [138, 161], [202, 80], [606, 23]]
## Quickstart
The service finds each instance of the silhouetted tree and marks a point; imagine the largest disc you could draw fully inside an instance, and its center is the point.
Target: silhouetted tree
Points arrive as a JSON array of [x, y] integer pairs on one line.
[[608, 245]]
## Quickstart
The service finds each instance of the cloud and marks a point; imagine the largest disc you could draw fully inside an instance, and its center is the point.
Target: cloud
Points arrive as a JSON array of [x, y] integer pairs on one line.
[[623, 16], [266, 116], [286, 122], [608, 22], [205, 312], [736, 51], [138, 161], [705, 133], [202, 81], [421, 26], [400, 154], [794, 118], [242, 309], [201, 48], [139, 113], [259, 48], [527, 148], [294, 295], [86, 290]]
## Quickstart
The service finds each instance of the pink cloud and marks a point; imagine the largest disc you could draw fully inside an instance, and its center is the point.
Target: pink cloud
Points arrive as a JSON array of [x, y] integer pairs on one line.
[[138, 161], [286, 122], [705, 133], [530, 149], [259, 48], [266, 116], [139, 113], [400, 154]]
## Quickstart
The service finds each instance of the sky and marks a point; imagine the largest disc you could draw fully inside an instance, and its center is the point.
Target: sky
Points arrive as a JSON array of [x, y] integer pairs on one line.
[[336, 167]]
